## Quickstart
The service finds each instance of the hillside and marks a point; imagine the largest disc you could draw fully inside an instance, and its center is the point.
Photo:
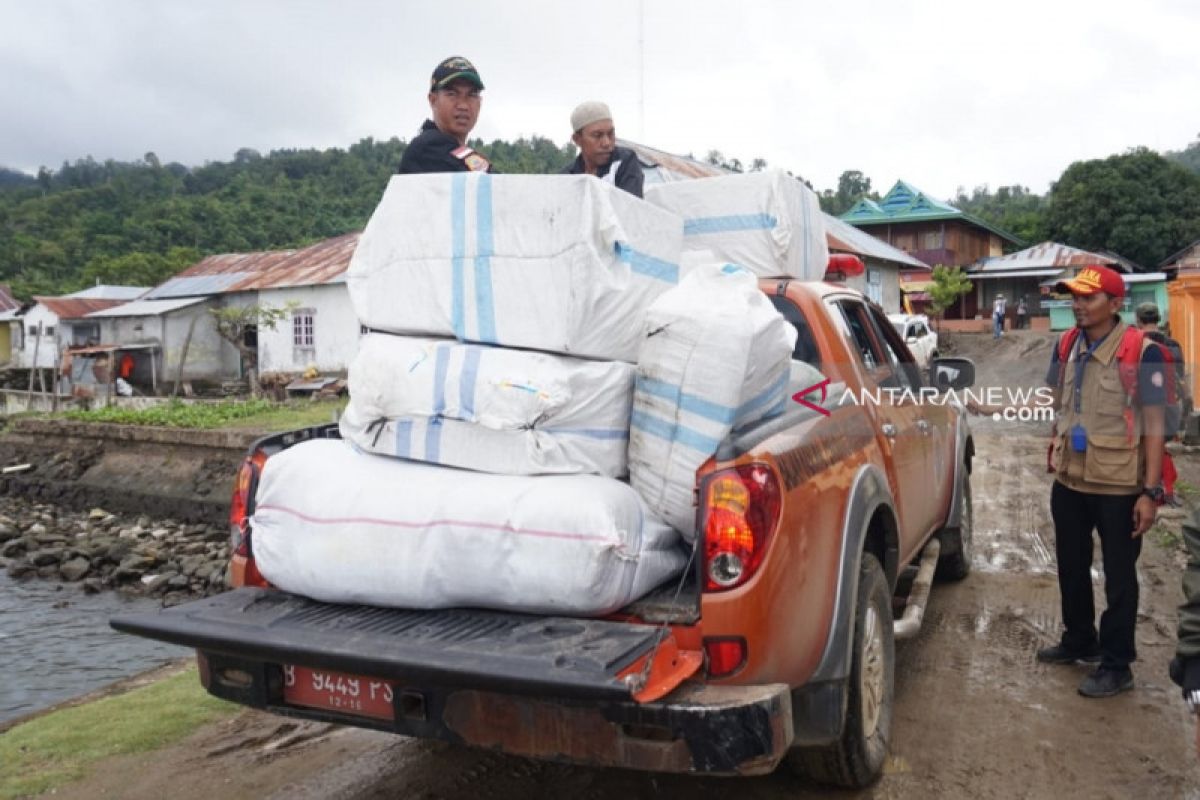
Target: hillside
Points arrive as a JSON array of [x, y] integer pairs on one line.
[[139, 222]]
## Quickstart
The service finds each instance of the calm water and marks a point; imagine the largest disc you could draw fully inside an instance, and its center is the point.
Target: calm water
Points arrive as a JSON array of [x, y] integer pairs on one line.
[[50, 654]]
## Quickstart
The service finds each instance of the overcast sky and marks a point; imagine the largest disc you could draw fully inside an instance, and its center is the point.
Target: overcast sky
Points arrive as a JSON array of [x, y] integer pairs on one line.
[[941, 94]]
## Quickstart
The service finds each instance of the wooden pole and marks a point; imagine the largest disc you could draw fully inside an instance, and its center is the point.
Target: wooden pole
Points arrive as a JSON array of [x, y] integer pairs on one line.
[[37, 343], [187, 341]]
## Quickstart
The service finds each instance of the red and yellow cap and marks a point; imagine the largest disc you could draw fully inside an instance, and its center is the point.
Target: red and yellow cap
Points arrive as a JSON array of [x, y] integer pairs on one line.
[[1092, 279]]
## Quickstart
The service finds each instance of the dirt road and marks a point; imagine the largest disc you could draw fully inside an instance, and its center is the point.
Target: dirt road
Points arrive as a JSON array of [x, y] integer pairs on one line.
[[976, 716]]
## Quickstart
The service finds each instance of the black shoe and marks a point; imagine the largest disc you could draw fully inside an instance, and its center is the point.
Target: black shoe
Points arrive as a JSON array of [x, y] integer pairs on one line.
[[1059, 654], [1106, 682]]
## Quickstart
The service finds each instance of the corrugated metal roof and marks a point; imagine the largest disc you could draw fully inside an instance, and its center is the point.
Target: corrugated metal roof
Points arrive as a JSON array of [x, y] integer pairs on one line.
[[146, 308], [103, 292], [667, 167], [846, 238], [323, 262], [75, 307], [1041, 256], [196, 285], [7, 301], [1033, 272]]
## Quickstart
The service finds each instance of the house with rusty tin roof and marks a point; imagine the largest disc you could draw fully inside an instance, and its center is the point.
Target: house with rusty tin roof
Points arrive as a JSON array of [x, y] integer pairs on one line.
[[320, 329]]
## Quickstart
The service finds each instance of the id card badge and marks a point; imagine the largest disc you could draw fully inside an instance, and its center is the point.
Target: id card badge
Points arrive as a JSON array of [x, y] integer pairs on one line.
[[1078, 439]]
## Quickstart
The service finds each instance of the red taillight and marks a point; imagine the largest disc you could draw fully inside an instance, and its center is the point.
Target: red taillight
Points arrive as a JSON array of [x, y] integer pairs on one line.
[[239, 507], [725, 656], [741, 508]]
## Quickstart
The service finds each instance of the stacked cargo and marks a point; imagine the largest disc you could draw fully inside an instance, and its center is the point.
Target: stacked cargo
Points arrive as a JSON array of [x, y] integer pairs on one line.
[[768, 222], [716, 359], [543, 283], [532, 342]]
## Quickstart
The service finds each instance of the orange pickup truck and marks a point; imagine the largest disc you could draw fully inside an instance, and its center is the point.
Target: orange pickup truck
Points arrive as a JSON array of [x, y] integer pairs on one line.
[[776, 645]]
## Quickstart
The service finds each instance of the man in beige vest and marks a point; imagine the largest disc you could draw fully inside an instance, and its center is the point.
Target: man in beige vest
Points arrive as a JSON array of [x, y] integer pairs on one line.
[[1107, 459]]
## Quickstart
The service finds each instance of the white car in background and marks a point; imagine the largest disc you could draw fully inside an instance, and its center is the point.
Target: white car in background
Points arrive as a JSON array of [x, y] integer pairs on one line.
[[921, 339]]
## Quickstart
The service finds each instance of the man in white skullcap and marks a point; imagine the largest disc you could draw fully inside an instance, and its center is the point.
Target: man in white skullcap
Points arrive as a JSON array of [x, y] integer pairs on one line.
[[599, 155]]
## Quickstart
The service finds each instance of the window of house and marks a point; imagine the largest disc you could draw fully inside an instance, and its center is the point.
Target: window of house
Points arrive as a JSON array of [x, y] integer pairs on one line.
[[875, 286], [49, 330], [931, 240], [32, 331], [302, 327]]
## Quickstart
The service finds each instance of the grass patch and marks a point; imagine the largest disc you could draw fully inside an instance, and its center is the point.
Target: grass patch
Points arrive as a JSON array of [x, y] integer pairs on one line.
[[256, 414], [1187, 491], [61, 747], [291, 415]]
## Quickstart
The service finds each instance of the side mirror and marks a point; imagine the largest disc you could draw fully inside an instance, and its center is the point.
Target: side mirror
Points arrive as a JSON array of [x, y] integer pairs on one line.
[[952, 373]]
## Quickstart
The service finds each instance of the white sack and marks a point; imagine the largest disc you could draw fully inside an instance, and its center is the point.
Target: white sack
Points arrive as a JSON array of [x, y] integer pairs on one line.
[[768, 222], [513, 412], [343, 526], [716, 358], [563, 263]]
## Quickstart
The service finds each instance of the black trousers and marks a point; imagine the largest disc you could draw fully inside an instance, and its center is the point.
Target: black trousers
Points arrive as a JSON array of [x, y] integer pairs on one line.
[[1076, 515]]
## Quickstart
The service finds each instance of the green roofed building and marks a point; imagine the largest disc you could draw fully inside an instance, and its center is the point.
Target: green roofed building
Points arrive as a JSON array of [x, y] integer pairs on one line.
[[932, 231]]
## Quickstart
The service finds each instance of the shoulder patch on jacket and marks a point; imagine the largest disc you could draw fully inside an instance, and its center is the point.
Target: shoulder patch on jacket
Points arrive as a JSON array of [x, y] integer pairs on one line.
[[475, 162]]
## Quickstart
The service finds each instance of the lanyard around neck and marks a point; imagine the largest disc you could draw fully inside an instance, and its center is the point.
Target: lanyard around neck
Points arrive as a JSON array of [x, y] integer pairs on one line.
[[1081, 359]]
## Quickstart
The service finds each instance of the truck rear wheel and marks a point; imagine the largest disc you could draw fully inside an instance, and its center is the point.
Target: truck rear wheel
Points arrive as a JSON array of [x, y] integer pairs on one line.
[[955, 562], [856, 759]]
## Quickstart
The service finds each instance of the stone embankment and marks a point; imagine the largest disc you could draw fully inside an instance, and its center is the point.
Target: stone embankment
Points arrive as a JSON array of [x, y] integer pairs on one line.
[[139, 510], [110, 551]]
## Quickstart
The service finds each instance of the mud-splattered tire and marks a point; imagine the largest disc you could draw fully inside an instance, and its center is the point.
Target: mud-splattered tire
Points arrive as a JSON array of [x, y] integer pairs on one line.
[[955, 562], [856, 760]]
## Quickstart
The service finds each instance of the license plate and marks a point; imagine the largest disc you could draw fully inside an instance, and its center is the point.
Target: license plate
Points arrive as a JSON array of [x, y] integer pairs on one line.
[[336, 691]]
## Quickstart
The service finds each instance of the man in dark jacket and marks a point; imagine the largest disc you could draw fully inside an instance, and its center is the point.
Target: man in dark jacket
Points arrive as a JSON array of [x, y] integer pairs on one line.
[[599, 155], [454, 102]]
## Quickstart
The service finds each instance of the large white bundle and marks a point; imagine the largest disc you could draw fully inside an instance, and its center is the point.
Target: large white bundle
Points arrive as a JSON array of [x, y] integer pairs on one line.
[[716, 358], [768, 222], [343, 526], [513, 412], [563, 263]]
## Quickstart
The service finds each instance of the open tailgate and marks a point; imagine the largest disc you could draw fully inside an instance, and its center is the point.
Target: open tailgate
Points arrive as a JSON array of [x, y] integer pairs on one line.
[[458, 648]]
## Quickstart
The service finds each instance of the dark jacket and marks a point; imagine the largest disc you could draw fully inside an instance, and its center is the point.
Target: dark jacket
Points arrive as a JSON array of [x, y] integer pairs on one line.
[[628, 176], [1185, 669], [434, 151]]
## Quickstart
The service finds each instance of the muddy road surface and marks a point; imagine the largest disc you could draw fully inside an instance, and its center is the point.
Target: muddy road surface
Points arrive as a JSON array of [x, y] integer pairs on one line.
[[976, 716]]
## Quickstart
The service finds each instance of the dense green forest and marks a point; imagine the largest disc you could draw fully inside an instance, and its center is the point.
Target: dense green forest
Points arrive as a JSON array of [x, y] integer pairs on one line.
[[137, 223]]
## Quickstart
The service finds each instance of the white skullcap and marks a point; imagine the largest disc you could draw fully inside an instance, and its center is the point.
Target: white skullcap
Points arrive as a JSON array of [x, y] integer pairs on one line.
[[587, 113]]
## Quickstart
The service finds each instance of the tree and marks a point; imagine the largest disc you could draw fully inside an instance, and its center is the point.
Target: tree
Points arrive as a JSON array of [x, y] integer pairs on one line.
[[1188, 157], [1138, 205], [234, 322], [949, 283], [1011, 208], [852, 187]]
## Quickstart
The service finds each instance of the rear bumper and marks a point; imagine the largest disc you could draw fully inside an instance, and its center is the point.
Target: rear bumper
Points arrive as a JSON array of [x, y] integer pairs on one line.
[[733, 730]]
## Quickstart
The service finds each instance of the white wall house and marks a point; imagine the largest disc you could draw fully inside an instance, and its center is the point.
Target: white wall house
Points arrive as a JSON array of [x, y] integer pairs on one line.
[[320, 329], [52, 324]]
